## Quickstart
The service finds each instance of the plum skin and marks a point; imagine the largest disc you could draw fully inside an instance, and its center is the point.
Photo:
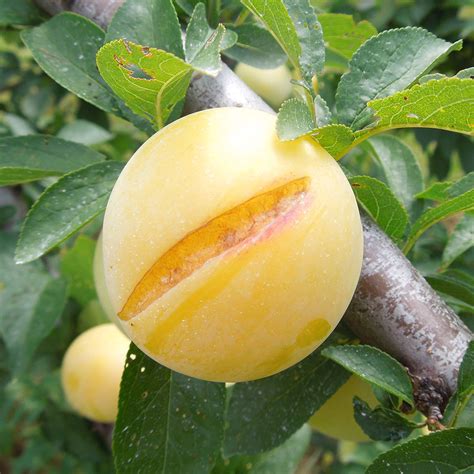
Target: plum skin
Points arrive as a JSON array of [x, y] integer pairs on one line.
[[262, 306], [91, 372], [100, 286], [272, 85]]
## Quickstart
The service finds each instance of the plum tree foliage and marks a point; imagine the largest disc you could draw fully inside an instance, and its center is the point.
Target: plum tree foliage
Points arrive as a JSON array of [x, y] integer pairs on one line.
[[231, 242]]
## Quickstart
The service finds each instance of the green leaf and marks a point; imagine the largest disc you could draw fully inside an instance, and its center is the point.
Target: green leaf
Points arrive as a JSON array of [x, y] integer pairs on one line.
[[30, 304], [453, 283], [294, 120], [464, 202], [167, 422], [279, 23], [467, 73], [381, 424], [150, 81], [401, 169], [203, 43], [310, 37], [436, 192], [460, 240], [282, 460], [264, 413], [152, 23], [461, 186], [84, 132], [323, 114], [460, 408], [375, 367], [336, 139], [466, 373], [65, 207], [19, 12], [188, 5], [256, 46], [76, 267], [65, 47], [430, 77], [387, 63], [446, 452], [343, 35], [457, 415], [381, 204], [447, 104], [28, 158]]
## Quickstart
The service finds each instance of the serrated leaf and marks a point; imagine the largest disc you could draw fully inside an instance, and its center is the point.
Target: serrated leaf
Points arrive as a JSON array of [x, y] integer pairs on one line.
[[343, 35], [203, 43], [384, 65], [296, 28], [446, 452], [282, 460], [154, 24], [310, 37], [375, 367], [28, 158], [19, 12], [460, 240], [278, 21], [76, 267], [336, 139], [381, 204], [150, 81], [401, 169], [447, 104], [436, 192], [167, 422], [461, 186], [464, 202], [65, 207], [323, 114], [264, 413], [30, 304], [381, 424], [294, 120], [256, 46], [65, 47]]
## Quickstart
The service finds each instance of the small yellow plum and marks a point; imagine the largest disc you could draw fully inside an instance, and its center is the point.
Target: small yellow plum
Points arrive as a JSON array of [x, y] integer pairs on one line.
[[336, 417], [272, 85], [91, 371], [228, 254]]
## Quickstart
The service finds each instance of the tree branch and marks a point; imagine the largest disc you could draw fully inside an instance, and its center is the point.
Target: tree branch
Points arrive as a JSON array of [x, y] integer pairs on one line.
[[393, 308]]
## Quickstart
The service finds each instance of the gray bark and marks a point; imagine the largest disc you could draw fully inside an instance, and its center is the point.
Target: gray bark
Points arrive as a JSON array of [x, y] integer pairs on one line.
[[393, 308]]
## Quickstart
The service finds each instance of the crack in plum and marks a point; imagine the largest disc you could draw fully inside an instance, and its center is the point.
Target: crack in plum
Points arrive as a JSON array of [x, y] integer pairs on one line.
[[246, 224]]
